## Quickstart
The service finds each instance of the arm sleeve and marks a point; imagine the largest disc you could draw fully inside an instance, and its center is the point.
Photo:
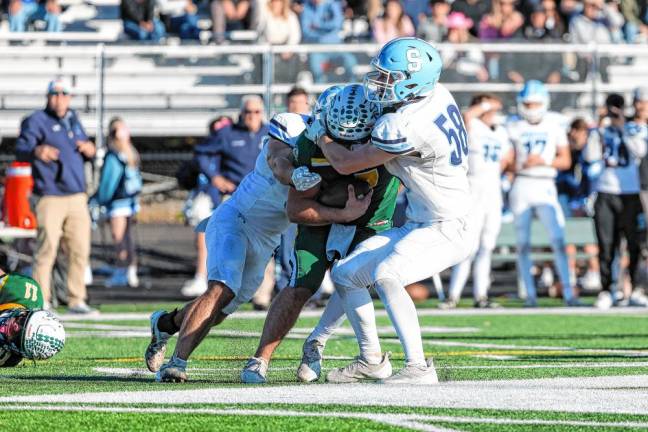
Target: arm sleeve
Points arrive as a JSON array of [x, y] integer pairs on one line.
[[29, 138], [389, 137], [111, 175]]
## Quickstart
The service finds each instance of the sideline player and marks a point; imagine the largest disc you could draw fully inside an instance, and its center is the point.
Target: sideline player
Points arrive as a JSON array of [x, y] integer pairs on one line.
[[241, 236], [316, 233], [539, 149], [423, 142], [487, 143], [26, 331]]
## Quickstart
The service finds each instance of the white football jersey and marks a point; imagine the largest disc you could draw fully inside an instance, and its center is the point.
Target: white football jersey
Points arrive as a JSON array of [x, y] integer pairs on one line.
[[260, 196], [486, 147], [542, 139], [431, 139]]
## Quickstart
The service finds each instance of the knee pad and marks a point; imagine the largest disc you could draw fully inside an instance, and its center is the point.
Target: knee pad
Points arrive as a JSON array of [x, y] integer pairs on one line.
[[385, 272]]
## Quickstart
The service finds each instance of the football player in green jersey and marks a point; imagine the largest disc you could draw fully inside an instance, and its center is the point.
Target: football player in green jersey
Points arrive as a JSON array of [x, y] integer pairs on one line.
[[349, 119], [26, 331]]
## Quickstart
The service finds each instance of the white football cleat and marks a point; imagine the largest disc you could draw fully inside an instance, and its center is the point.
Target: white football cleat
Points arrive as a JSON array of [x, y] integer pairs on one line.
[[424, 374], [154, 354], [310, 368], [194, 287], [449, 303], [255, 371], [360, 370], [604, 300], [171, 372]]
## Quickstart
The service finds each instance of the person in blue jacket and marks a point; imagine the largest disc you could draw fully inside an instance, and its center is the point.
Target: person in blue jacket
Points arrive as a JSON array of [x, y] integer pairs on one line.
[[119, 187], [55, 143], [225, 157]]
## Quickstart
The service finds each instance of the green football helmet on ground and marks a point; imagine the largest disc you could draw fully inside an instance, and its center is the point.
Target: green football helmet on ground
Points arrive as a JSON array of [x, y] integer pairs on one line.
[[33, 334]]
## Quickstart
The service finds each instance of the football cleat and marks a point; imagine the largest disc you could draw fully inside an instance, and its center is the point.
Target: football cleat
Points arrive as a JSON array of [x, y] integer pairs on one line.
[[360, 370], [310, 368], [255, 371], [449, 303], [485, 303], [172, 372], [154, 355], [414, 374]]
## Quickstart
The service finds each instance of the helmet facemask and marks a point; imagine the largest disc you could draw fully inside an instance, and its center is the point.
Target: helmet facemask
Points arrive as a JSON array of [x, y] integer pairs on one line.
[[380, 85]]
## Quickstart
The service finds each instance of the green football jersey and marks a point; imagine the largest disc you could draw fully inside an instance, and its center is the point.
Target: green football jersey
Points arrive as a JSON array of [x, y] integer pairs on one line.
[[19, 291], [380, 213]]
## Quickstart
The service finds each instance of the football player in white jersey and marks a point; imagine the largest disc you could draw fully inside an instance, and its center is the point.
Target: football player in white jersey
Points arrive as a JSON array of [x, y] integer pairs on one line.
[[540, 149], [487, 143], [423, 142], [241, 236]]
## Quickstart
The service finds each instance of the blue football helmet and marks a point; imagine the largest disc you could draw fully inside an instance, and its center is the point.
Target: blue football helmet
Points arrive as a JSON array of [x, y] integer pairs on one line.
[[533, 92], [404, 69]]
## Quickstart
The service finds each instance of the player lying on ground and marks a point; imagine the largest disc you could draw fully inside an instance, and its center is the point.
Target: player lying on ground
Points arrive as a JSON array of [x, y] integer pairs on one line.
[[26, 331], [423, 142], [241, 237], [319, 242]]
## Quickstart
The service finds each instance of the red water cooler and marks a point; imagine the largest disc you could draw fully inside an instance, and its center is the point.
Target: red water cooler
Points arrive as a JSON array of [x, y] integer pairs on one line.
[[18, 188]]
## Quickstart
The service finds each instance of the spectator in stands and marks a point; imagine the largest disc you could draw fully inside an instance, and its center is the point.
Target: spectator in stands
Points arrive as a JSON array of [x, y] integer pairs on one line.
[[225, 157], [55, 143], [181, 18], [321, 22], [631, 11], [473, 9], [140, 22], [394, 23], [434, 28], [415, 9], [640, 117], [228, 15], [119, 187], [297, 101], [278, 24], [22, 12], [555, 22], [520, 67], [462, 65], [617, 208], [503, 22]]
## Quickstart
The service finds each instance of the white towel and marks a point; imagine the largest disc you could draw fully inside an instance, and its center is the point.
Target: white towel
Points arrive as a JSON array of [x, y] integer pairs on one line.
[[339, 240]]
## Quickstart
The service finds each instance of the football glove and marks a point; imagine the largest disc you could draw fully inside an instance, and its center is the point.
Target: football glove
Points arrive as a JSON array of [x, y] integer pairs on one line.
[[303, 179]]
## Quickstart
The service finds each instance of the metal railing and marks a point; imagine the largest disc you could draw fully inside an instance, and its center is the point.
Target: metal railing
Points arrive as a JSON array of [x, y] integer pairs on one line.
[[166, 87]]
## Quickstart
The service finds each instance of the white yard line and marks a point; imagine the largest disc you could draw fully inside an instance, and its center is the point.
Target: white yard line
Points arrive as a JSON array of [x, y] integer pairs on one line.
[[412, 421], [615, 394]]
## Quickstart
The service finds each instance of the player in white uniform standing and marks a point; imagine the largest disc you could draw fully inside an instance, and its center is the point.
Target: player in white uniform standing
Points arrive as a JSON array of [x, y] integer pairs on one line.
[[424, 143], [540, 149], [487, 143], [241, 236]]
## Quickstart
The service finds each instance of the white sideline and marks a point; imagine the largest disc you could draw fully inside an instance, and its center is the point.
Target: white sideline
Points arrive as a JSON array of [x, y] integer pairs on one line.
[[611, 394]]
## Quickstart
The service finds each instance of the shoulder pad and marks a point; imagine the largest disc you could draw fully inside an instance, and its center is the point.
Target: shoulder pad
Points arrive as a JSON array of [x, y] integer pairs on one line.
[[286, 127], [388, 136]]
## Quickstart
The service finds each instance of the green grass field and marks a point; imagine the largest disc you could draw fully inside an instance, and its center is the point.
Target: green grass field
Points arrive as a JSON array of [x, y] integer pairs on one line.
[[508, 370]]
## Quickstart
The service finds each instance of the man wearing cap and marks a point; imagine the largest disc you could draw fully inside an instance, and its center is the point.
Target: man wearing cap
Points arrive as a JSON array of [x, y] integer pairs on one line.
[[55, 143]]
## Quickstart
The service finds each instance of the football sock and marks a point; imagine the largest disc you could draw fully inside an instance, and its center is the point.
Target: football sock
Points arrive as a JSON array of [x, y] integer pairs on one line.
[[360, 311], [402, 314], [562, 265], [332, 318], [177, 362], [481, 273], [458, 279], [524, 268], [166, 323]]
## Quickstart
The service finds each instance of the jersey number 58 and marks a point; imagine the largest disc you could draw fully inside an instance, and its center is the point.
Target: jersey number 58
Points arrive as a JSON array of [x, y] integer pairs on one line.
[[456, 133]]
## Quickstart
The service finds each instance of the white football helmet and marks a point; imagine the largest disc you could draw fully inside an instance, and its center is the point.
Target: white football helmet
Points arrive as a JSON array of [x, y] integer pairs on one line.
[[350, 117], [43, 335], [533, 92], [324, 99]]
